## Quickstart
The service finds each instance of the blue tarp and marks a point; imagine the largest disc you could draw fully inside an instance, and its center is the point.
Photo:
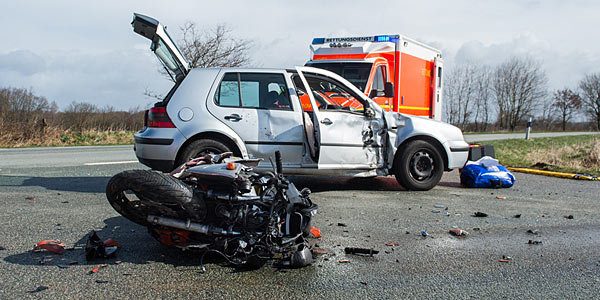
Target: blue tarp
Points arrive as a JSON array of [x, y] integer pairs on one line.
[[474, 175]]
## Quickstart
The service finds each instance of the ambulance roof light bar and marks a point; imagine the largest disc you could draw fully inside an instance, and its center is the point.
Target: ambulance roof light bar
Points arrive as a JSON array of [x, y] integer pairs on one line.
[[377, 38]]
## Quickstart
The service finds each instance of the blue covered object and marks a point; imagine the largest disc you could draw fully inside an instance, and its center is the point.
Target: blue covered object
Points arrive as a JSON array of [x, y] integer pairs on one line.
[[474, 175]]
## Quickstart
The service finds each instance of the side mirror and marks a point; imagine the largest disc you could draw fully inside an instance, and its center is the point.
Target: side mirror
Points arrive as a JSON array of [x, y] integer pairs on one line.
[[389, 90]]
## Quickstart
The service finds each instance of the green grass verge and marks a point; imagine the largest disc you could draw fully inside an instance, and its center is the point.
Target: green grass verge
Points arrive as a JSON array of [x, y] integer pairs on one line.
[[574, 154]]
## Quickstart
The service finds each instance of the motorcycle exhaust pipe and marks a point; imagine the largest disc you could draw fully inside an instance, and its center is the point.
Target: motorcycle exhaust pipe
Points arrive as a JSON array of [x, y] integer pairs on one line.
[[189, 226]]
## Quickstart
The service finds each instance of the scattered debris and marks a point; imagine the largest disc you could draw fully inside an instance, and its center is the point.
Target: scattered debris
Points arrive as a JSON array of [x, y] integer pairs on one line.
[[408, 232], [96, 248], [532, 242], [363, 282], [316, 251], [424, 233], [392, 244], [517, 216], [101, 281], [435, 211], [45, 259], [281, 283], [342, 224], [30, 198], [65, 202], [53, 246], [458, 232], [480, 214], [570, 217], [343, 261], [500, 197], [39, 289], [96, 269], [316, 232], [351, 250], [504, 260], [533, 231], [476, 229]]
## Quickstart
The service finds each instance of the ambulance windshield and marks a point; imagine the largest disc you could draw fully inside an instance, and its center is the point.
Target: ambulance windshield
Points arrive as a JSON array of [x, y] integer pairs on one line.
[[357, 73]]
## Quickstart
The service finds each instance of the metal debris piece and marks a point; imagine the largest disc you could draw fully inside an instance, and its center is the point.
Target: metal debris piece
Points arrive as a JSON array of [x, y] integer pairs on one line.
[[342, 224], [476, 229], [480, 214], [532, 242], [570, 217], [53, 246], [352, 250], [458, 232], [39, 289], [517, 216]]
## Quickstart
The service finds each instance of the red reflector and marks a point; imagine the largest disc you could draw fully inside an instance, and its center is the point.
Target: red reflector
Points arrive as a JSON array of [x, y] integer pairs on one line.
[[157, 117], [230, 166]]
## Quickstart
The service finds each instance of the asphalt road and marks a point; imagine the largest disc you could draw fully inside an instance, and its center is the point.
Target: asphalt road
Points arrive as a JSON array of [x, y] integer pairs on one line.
[[69, 202]]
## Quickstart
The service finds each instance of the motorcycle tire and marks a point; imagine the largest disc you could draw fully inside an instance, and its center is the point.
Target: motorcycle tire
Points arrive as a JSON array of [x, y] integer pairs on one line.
[[148, 186]]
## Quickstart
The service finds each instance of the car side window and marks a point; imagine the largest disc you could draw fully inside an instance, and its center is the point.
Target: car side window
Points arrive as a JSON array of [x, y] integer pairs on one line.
[[331, 95], [253, 90]]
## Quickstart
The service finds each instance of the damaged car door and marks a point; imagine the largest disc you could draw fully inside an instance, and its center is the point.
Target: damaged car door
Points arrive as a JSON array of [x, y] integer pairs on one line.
[[349, 137]]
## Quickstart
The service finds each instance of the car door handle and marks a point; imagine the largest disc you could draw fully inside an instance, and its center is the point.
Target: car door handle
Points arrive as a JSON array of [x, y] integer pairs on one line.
[[326, 121], [233, 117]]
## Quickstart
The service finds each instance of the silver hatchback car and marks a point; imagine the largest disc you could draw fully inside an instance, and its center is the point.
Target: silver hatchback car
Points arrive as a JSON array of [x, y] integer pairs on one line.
[[320, 122]]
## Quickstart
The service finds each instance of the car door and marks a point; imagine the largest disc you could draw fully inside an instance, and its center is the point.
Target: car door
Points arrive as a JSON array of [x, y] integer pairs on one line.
[[348, 135], [256, 105]]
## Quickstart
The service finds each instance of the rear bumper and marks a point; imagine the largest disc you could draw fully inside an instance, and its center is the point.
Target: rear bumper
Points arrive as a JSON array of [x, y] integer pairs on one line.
[[157, 148]]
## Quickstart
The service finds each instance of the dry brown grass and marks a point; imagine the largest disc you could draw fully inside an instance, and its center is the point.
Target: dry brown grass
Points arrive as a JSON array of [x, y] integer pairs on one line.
[[579, 156], [55, 136]]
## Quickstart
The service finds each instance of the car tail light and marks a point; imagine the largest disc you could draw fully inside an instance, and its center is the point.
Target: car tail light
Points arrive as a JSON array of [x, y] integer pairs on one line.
[[157, 117]]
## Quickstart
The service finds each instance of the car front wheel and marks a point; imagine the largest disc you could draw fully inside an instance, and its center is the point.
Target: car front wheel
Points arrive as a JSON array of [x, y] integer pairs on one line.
[[418, 166]]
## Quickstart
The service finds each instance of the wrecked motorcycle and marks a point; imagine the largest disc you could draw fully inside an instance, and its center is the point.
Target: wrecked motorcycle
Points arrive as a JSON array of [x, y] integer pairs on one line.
[[220, 204]]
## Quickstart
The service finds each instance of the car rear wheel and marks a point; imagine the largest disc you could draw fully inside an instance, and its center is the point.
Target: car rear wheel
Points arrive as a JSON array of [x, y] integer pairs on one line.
[[199, 148], [418, 166]]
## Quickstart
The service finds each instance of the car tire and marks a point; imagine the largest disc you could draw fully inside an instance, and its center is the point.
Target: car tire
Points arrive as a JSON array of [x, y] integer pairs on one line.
[[200, 147], [418, 166]]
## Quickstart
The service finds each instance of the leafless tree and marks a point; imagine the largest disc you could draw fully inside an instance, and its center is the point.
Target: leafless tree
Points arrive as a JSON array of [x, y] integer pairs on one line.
[[459, 94], [590, 96], [482, 95], [518, 85], [566, 102]]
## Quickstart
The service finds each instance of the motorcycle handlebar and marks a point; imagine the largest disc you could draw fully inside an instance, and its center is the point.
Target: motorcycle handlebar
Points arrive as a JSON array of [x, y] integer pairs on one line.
[[278, 162]]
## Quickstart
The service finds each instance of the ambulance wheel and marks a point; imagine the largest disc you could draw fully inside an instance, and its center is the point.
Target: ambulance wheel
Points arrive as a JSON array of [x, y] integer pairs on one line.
[[418, 166]]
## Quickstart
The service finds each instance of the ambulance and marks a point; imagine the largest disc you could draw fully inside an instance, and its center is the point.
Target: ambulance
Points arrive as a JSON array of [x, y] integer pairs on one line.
[[398, 73]]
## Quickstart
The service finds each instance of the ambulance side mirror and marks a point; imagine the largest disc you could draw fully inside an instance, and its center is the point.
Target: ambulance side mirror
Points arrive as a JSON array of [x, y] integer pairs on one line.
[[389, 90]]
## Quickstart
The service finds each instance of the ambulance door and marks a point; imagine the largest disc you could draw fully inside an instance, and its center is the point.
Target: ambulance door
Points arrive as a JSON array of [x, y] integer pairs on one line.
[[436, 95], [378, 91]]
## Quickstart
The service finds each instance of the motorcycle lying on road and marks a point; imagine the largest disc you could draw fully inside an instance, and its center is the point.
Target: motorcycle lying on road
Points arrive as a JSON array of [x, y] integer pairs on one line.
[[220, 204]]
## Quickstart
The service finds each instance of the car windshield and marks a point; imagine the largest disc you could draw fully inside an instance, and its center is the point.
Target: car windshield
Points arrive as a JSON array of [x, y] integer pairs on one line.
[[356, 73]]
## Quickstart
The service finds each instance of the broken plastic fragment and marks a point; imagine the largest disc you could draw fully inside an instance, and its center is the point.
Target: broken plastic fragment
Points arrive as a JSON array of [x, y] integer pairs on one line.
[[39, 289], [480, 214], [96, 269], [570, 217], [342, 224], [533, 231], [435, 211], [351, 250], [517, 216], [102, 281], [458, 232], [53, 246], [110, 242], [532, 242], [30, 198], [96, 248], [504, 260], [316, 232], [392, 244], [363, 282], [343, 261], [424, 233], [500, 197]]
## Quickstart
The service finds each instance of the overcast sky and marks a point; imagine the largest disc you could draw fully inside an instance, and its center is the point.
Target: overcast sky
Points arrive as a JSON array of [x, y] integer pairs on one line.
[[86, 51]]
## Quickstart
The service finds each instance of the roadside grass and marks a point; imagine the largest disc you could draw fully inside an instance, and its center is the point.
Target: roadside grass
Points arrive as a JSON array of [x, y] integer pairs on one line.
[[53, 137], [573, 154]]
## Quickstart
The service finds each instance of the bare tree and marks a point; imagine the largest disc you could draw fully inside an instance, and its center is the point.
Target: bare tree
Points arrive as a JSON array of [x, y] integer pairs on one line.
[[459, 93], [566, 102], [590, 96], [482, 94], [518, 85]]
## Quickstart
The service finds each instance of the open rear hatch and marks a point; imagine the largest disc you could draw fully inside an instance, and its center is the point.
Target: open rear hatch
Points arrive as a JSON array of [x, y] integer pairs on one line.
[[162, 45]]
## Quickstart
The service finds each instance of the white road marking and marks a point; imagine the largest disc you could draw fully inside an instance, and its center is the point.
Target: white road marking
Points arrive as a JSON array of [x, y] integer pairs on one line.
[[111, 163]]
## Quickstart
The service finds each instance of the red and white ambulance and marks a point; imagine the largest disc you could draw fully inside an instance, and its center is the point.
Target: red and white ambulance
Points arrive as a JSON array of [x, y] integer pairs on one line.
[[399, 73]]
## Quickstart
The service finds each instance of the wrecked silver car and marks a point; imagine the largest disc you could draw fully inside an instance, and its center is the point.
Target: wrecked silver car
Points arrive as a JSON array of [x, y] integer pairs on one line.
[[321, 123]]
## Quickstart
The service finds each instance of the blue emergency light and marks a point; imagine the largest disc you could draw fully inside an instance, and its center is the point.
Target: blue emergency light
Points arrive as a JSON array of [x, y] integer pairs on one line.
[[318, 41], [386, 38]]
